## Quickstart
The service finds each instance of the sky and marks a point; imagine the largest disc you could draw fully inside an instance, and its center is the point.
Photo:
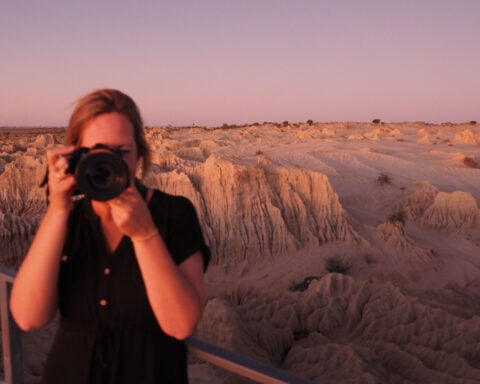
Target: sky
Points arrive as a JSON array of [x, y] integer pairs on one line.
[[211, 62]]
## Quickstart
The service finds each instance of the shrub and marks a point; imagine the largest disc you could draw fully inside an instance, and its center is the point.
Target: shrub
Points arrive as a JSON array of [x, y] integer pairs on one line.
[[309, 122], [336, 265], [469, 162], [303, 285], [285, 123], [376, 121], [473, 122], [397, 217], [383, 179], [227, 126]]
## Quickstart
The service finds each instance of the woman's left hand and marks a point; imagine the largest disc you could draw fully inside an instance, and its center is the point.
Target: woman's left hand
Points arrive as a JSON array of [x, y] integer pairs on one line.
[[131, 214]]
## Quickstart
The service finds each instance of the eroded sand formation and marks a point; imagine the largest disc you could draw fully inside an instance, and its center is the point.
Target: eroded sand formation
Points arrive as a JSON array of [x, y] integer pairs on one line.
[[343, 252]]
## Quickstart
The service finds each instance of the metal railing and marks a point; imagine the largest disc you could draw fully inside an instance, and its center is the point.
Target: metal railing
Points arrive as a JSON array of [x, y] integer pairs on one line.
[[241, 365], [228, 360], [11, 334]]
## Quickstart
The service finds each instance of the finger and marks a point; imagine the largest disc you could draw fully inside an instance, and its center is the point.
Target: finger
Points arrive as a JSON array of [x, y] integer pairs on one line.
[[59, 175], [61, 165], [57, 162], [58, 168], [60, 151]]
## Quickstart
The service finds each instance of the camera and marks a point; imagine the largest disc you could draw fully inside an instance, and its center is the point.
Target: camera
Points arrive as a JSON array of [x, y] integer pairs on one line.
[[100, 172]]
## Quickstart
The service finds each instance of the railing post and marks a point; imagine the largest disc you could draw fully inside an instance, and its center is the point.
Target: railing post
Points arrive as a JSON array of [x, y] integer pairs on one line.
[[11, 334]]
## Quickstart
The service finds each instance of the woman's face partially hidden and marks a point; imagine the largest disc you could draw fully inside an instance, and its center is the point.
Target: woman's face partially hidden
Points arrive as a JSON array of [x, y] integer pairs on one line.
[[113, 130]]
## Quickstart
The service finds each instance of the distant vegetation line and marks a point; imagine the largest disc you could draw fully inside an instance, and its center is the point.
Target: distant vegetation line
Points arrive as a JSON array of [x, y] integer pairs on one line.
[[43, 129]]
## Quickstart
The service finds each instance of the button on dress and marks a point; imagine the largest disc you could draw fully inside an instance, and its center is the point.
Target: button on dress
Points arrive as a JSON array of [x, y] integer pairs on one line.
[[108, 333]]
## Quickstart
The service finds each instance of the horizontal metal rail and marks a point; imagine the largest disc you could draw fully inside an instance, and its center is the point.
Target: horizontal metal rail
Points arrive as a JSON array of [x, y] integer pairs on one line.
[[228, 360], [241, 365]]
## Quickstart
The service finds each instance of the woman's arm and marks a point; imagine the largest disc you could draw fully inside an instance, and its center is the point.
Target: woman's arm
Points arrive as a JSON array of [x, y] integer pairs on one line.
[[34, 295], [176, 292]]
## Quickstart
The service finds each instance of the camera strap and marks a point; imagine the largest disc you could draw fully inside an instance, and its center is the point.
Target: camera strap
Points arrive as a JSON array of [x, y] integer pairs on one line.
[[141, 188]]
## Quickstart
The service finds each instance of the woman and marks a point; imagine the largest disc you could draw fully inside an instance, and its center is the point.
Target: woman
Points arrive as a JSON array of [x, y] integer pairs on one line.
[[126, 274]]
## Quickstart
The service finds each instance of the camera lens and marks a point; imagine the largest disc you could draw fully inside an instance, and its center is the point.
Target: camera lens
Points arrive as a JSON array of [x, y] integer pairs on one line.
[[102, 175]]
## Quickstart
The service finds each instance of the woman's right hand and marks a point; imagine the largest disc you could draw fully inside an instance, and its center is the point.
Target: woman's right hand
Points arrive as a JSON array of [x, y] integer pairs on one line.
[[60, 183]]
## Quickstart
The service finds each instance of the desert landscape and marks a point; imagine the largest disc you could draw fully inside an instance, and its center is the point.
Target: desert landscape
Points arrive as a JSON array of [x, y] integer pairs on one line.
[[343, 252]]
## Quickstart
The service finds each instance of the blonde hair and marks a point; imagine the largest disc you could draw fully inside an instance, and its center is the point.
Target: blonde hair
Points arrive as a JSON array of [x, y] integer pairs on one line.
[[106, 101]]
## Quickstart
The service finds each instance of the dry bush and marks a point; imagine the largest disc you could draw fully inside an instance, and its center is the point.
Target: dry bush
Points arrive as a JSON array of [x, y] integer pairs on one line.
[[303, 285], [397, 217], [337, 265], [369, 259], [383, 179], [470, 162]]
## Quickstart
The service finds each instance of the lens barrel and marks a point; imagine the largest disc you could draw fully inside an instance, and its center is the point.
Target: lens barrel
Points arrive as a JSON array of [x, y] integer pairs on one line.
[[102, 175]]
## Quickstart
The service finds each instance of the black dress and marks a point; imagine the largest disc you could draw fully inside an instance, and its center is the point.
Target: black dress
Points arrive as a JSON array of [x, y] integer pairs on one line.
[[108, 332]]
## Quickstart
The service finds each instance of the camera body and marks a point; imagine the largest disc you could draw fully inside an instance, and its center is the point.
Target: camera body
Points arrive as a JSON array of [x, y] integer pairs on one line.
[[101, 172]]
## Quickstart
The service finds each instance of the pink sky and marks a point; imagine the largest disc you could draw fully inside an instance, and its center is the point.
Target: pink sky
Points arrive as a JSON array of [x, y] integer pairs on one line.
[[212, 62]]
